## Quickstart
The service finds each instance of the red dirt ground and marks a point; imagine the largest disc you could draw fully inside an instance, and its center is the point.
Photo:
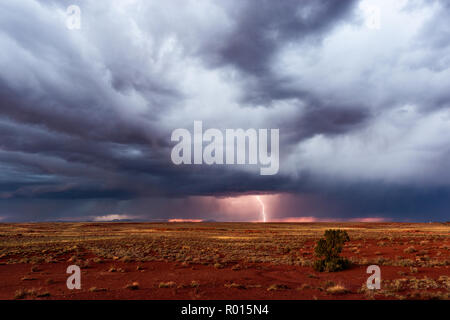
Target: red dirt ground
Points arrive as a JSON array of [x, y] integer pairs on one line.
[[211, 281]]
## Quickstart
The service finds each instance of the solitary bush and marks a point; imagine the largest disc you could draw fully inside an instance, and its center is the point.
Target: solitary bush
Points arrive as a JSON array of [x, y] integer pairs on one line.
[[328, 250]]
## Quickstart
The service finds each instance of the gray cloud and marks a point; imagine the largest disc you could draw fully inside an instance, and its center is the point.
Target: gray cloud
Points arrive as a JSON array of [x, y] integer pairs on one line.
[[86, 115]]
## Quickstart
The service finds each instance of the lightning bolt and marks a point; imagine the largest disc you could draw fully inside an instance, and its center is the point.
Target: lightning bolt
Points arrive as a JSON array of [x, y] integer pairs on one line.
[[263, 213]]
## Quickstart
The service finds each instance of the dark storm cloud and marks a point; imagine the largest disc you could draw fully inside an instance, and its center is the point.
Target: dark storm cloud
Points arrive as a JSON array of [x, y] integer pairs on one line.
[[86, 115], [262, 28]]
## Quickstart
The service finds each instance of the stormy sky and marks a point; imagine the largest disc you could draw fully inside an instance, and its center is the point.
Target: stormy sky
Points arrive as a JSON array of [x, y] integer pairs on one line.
[[358, 89]]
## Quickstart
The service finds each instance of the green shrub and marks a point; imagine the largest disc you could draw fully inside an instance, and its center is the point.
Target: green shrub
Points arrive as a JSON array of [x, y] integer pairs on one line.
[[328, 250]]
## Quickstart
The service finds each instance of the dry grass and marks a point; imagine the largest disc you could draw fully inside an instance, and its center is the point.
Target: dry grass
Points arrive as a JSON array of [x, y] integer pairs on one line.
[[276, 287], [132, 286], [30, 293], [169, 284], [235, 285], [337, 289], [20, 294], [410, 250]]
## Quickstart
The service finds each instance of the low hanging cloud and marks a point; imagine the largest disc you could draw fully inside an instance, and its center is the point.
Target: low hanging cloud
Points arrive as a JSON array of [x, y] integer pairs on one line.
[[86, 115]]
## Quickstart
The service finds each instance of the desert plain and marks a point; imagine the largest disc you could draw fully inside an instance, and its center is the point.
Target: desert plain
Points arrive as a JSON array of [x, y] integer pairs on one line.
[[196, 261]]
